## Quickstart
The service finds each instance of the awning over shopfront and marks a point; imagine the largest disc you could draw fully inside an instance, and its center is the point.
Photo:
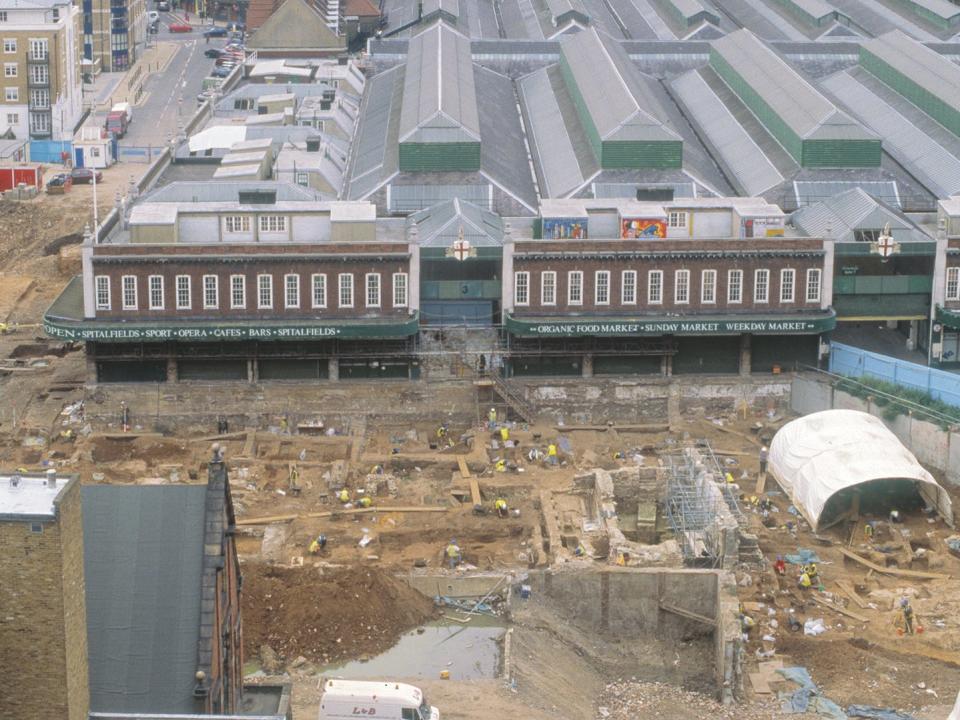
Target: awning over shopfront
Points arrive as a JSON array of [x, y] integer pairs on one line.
[[64, 321], [950, 318], [565, 327]]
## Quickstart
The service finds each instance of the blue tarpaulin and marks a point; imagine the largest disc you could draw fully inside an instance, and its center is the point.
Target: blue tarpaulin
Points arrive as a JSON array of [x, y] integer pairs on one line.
[[866, 711], [803, 556], [807, 697]]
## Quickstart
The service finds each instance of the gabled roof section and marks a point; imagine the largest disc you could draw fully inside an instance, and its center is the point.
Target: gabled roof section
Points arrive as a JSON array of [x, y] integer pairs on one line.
[[563, 10], [439, 95], [795, 101], [838, 217], [927, 68], [612, 89], [441, 224], [295, 25]]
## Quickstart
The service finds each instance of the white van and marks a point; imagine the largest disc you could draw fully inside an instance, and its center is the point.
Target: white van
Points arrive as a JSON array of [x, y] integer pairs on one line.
[[153, 16], [342, 699]]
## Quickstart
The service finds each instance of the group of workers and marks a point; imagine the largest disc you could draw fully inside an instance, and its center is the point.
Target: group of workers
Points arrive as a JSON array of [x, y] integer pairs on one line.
[[363, 500]]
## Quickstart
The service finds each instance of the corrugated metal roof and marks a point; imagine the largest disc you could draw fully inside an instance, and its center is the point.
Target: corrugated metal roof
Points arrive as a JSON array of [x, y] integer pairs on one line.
[[793, 99], [373, 155], [439, 96], [924, 158], [207, 192], [451, 7], [838, 217], [558, 168], [411, 198], [817, 9], [808, 192], [927, 68], [612, 89], [442, 224], [753, 170], [143, 556], [560, 8]]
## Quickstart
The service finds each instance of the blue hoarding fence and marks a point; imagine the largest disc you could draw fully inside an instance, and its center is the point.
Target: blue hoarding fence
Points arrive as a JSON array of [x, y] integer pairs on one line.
[[138, 154], [854, 362], [50, 151]]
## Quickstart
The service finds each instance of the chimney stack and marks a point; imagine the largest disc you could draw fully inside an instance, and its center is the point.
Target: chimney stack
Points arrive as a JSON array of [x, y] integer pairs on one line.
[[15, 480], [51, 478]]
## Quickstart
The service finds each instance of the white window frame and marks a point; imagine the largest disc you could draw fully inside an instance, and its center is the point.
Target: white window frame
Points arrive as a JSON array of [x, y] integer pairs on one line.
[[236, 224], [345, 284], [677, 219], [238, 288], [548, 281], [128, 287], [102, 293], [655, 287], [291, 291], [575, 280], [371, 285], [601, 281], [318, 281], [681, 281], [155, 286], [264, 291], [731, 284], [279, 223], [953, 277], [183, 300], [401, 290], [211, 283], [631, 297], [708, 281], [10, 70], [763, 297], [788, 281], [521, 288], [9, 46], [11, 94]]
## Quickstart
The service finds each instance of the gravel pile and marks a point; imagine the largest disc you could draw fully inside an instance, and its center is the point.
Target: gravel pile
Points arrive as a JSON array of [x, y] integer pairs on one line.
[[631, 700]]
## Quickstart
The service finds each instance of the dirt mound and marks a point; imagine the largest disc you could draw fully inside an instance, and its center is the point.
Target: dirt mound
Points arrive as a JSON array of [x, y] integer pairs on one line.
[[336, 615]]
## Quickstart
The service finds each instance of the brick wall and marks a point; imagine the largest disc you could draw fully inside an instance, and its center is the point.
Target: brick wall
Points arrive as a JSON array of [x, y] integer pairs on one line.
[[616, 265], [43, 643], [251, 268]]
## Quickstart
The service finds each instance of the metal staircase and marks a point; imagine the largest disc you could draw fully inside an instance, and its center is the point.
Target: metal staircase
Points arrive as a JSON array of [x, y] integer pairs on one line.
[[513, 399]]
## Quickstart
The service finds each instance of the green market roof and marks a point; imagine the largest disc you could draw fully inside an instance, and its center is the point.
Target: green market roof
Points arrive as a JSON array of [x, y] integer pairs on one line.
[[565, 327], [64, 321]]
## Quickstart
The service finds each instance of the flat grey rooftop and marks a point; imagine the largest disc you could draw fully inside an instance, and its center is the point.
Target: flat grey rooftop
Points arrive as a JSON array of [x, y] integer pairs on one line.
[[29, 496]]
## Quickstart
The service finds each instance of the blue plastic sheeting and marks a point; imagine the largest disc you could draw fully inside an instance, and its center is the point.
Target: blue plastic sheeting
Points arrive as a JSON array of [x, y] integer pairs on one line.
[[807, 698], [854, 362], [50, 151], [866, 711], [802, 557]]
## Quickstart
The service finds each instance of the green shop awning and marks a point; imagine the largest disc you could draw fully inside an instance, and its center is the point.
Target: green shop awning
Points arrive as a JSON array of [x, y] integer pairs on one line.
[[647, 326], [64, 321], [950, 318]]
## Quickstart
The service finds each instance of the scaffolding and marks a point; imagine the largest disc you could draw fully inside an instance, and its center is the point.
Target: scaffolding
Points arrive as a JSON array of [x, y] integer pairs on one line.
[[699, 505]]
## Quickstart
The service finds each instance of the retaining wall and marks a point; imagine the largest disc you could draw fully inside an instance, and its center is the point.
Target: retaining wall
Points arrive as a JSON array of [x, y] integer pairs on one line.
[[933, 446]]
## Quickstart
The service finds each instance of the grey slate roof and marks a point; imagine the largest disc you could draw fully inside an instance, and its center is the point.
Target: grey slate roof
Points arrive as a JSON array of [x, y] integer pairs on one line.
[[839, 216], [803, 108], [809, 192], [143, 557], [815, 8], [612, 89], [374, 156], [927, 68], [295, 25], [439, 97], [441, 224]]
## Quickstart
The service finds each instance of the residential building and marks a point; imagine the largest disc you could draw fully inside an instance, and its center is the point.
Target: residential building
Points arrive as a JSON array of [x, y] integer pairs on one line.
[[297, 28], [114, 32], [333, 14], [945, 331], [42, 95], [42, 598]]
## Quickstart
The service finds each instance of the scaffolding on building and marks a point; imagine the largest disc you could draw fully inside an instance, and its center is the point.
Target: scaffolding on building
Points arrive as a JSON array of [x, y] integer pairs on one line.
[[697, 498]]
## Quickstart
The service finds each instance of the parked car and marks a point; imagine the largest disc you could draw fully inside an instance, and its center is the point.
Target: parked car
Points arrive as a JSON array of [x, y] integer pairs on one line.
[[215, 32], [163, 6], [180, 28], [153, 16], [213, 52], [227, 60], [221, 72], [59, 184], [84, 176]]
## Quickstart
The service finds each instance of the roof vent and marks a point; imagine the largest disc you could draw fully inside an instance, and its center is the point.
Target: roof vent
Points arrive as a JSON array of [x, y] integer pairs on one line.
[[51, 478], [313, 144], [258, 197], [15, 480]]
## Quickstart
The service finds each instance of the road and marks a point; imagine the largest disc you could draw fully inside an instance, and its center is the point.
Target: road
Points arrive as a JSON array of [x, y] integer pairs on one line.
[[171, 95]]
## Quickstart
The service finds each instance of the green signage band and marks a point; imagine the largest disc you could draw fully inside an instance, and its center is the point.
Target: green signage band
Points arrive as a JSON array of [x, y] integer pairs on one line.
[[128, 332], [552, 327]]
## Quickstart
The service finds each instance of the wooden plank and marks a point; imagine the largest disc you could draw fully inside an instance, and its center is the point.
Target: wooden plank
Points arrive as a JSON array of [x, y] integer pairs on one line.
[[761, 483], [248, 445], [475, 497], [228, 436], [644, 427], [688, 614], [915, 574], [842, 611], [760, 683], [331, 513], [848, 590], [462, 463]]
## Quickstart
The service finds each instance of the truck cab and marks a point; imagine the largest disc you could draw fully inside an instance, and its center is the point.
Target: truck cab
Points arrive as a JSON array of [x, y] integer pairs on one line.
[[117, 124], [343, 699]]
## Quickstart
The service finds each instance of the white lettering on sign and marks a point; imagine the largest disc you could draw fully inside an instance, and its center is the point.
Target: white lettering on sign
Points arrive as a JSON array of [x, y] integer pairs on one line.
[[673, 327]]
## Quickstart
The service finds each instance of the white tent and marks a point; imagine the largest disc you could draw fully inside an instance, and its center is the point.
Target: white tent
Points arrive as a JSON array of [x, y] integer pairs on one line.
[[819, 455]]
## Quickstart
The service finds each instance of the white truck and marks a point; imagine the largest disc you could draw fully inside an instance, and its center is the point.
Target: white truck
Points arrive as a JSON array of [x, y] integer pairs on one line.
[[342, 699]]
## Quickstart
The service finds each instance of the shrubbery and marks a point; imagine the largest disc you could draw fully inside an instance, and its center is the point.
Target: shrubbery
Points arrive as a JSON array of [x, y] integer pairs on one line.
[[919, 402]]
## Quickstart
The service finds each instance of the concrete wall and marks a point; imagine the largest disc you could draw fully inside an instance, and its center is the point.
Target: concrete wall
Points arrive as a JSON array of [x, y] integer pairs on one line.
[[933, 446]]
